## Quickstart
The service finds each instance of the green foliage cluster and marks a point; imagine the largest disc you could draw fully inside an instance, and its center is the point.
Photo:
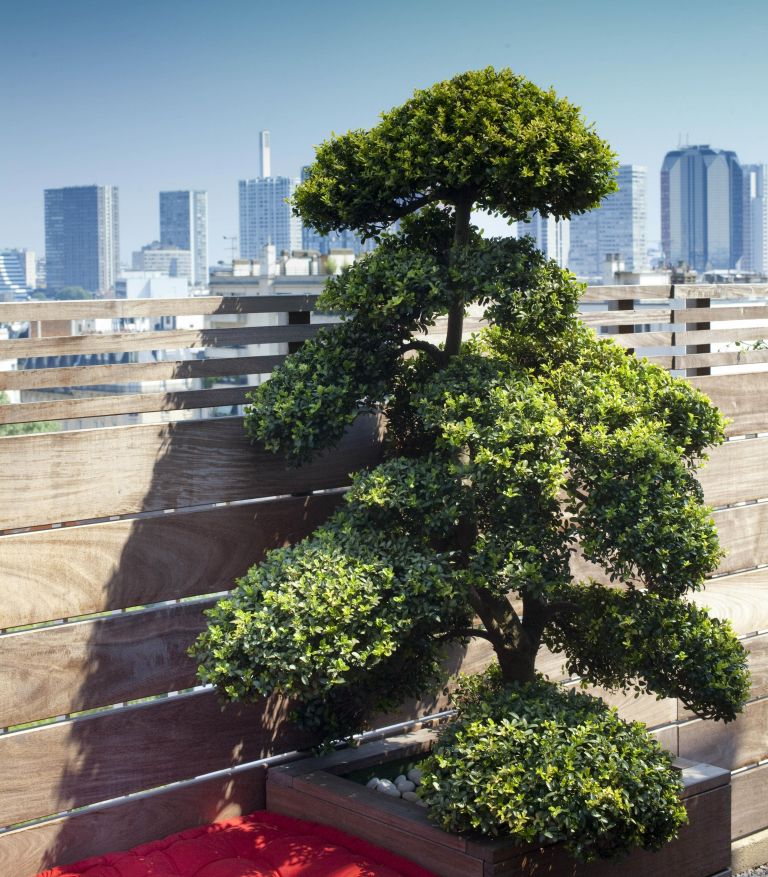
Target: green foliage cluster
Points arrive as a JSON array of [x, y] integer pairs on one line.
[[546, 765], [504, 453], [610, 649], [487, 134]]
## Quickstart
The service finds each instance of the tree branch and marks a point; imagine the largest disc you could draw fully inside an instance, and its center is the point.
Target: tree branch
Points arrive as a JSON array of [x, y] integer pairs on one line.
[[468, 632], [434, 352]]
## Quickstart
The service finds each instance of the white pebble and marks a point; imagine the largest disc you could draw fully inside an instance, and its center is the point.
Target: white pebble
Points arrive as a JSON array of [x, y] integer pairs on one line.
[[405, 786], [371, 784], [414, 775], [410, 796], [392, 791], [383, 785], [400, 779]]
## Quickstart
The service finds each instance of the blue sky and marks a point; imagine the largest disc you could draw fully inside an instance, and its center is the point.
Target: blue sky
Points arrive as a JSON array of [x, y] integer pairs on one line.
[[170, 94]]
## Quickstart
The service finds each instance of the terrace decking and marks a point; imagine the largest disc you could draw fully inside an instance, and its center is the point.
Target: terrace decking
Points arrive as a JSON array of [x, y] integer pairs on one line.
[[114, 538]]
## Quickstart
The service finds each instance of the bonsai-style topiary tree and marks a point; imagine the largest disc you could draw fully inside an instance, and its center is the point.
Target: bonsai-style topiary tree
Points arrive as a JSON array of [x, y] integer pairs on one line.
[[504, 453]]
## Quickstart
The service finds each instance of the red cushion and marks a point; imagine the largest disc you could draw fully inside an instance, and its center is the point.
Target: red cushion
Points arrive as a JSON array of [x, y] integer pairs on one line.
[[260, 845]]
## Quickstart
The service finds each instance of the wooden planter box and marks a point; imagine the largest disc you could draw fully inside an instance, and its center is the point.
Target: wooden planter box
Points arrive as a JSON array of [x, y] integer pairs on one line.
[[313, 789]]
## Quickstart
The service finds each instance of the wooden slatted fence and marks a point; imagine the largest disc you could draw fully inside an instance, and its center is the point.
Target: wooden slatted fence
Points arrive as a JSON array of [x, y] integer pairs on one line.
[[113, 539]]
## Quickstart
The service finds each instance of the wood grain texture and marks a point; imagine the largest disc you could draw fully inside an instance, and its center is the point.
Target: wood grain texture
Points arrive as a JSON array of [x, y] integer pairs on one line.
[[736, 471], [122, 403], [741, 397], [735, 291], [127, 469], [83, 761], [73, 667], [75, 571], [621, 293], [733, 357], [737, 744], [35, 311], [757, 646], [92, 375], [743, 533], [718, 314], [722, 336], [26, 851], [749, 812], [443, 860], [173, 339], [741, 598], [642, 339], [622, 318]]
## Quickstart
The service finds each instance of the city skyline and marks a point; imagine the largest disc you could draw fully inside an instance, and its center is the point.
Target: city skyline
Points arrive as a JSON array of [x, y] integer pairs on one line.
[[95, 74]]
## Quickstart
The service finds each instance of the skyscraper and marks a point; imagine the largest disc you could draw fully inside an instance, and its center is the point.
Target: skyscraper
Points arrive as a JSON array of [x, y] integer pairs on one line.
[[184, 224], [755, 255], [17, 273], [702, 208], [552, 236], [617, 226], [265, 211], [82, 238]]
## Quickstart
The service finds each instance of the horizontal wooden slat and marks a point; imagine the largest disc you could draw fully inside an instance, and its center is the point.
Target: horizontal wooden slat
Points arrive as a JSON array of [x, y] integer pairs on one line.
[[73, 667], [174, 339], [741, 397], [731, 746], [743, 533], [749, 791], [612, 293], [722, 336], [34, 311], [26, 851], [75, 571], [742, 599], [736, 472], [737, 291], [83, 761], [91, 375], [642, 339], [718, 314], [123, 470], [628, 318], [730, 357], [757, 646], [123, 403]]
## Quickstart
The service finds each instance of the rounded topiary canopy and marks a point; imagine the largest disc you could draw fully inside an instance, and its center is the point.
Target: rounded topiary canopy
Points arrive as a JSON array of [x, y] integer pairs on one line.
[[486, 138]]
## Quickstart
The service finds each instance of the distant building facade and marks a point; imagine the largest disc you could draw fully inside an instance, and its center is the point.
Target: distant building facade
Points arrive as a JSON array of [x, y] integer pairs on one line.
[[265, 212], [616, 227], [17, 273], [552, 236], [184, 225], [702, 208], [82, 237], [171, 261], [755, 251]]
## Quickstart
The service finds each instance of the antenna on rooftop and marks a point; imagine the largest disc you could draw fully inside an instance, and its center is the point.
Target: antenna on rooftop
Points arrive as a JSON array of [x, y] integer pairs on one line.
[[232, 246]]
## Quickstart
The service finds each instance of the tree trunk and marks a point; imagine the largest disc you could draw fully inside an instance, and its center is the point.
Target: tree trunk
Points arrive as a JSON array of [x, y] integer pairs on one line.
[[460, 240]]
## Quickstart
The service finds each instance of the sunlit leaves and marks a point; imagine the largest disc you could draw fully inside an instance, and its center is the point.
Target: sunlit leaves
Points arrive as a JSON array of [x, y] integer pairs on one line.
[[486, 136], [545, 765]]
